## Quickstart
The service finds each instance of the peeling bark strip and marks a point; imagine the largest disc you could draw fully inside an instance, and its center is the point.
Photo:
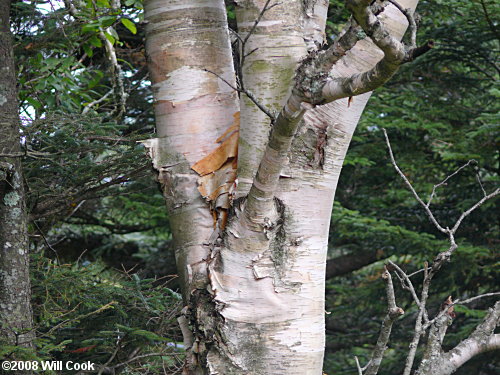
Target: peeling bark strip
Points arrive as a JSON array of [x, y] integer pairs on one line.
[[193, 109], [218, 174], [15, 290]]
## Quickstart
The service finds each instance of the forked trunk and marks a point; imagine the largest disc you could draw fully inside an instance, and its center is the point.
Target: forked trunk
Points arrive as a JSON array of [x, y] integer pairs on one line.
[[254, 293]]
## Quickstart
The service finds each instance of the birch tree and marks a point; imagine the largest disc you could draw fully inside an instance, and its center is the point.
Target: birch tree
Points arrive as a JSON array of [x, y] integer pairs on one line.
[[249, 147]]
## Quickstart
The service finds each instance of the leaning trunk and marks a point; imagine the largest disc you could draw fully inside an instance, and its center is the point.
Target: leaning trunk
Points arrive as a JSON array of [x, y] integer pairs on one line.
[[15, 290]]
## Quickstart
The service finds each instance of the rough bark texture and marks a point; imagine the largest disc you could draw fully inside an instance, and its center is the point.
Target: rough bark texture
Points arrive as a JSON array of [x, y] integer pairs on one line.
[[15, 289], [437, 362]]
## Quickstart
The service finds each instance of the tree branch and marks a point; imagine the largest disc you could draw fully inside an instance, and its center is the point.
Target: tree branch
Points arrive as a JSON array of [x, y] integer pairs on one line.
[[411, 21], [395, 54], [313, 86], [438, 325], [247, 93], [481, 340], [410, 186], [97, 101], [393, 312], [116, 70], [241, 62], [261, 196], [446, 180]]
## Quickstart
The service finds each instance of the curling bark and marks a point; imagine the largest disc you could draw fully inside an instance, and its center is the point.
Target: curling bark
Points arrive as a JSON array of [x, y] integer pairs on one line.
[[253, 268]]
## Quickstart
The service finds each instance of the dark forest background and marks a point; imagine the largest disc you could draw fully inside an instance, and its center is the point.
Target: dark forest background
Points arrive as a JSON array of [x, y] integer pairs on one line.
[[103, 274]]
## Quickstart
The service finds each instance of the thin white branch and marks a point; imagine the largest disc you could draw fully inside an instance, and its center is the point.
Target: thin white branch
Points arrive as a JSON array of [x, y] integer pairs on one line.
[[358, 366], [393, 312], [469, 211], [405, 282], [411, 21], [469, 300], [480, 184], [446, 180], [116, 70], [410, 186], [95, 102]]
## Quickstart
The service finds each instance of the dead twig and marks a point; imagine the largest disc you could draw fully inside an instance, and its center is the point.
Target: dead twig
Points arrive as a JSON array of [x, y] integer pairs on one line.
[[247, 93], [437, 325], [393, 312]]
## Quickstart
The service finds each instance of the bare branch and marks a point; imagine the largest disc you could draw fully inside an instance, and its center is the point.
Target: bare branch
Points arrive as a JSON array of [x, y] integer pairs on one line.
[[411, 21], [446, 180], [393, 312], [470, 210], [410, 186], [358, 366], [460, 302], [405, 281], [116, 70], [445, 255], [416, 272], [13, 155], [95, 102], [481, 340], [480, 184], [261, 14], [439, 324], [243, 56], [422, 318], [469, 300], [247, 93]]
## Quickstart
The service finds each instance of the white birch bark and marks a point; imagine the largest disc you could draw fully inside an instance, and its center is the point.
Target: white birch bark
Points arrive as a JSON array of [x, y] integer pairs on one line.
[[193, 108], [261, 309], [277, 45], [269, 286]]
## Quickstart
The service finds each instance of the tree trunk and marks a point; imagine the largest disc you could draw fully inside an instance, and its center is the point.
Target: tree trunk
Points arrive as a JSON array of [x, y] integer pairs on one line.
[[15, 290], [254, 287]]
